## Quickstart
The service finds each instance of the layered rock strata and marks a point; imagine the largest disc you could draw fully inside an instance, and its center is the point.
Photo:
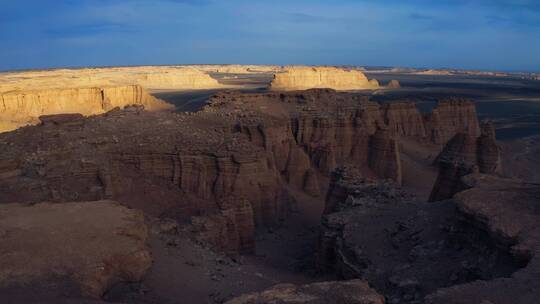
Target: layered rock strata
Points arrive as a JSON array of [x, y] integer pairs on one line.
[[352, 292], [466, 154], [19, 108], [302, 78], [95, 244], [451, 117], [240, 146]]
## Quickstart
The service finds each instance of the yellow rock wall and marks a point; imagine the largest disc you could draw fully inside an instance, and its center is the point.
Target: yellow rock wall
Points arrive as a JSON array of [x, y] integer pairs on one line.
[[303, 78], [19, 108]]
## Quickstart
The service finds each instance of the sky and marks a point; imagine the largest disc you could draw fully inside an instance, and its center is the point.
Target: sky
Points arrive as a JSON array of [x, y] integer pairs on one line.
[[480, 34]]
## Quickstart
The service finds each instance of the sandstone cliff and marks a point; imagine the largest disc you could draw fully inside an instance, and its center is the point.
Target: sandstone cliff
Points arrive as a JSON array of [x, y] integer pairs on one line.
[[302, 78], [466, 154], [240, 147], [449, 117], [186, 167], [19, 108]]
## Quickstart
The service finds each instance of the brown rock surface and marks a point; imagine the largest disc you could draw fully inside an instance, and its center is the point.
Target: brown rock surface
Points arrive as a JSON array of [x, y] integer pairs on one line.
[[465, 154], [450, 117], [508, 211], [302, 78], [384, 157], [96, 244], [404, 118], [252, 146], [311, 183], [407, 249], [352, 292], [230, 231]]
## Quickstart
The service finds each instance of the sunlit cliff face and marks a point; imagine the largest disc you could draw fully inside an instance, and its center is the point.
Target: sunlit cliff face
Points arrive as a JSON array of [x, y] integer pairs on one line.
[[302, 78]]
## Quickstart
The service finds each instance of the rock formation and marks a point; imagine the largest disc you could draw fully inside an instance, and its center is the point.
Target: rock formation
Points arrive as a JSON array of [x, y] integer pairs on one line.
[[353, 292], [240, 163], [95, 244], [452, 116], [404, 119], [180, 163], [207, 164], [393, 84], [26, 95], [230, 231], [19, 108], [412, 251], [466, 154], [302, 78], [384, 157], [508, 211]]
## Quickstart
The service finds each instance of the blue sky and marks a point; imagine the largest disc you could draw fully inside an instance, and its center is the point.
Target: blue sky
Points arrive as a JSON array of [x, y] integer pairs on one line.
[[479, 34]]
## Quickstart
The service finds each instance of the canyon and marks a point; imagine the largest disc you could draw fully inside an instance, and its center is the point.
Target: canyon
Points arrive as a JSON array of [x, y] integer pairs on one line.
[[223, 181]]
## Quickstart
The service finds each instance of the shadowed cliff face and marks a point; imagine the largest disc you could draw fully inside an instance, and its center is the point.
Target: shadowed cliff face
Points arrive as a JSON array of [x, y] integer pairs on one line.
[[229, 164], [465, 154], [480, 246]]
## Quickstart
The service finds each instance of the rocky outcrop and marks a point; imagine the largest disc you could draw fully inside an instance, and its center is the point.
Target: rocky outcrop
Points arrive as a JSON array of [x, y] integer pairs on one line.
[[465, 154], [350, 190], [408, 250], [321, 129], [26, 95], [393, 84], [384, 157], [95, 244], [450, 117], [353, 292], [302, 78], [404, 119], [24, 107], [508, 211], [252, 146], [230, 230]]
